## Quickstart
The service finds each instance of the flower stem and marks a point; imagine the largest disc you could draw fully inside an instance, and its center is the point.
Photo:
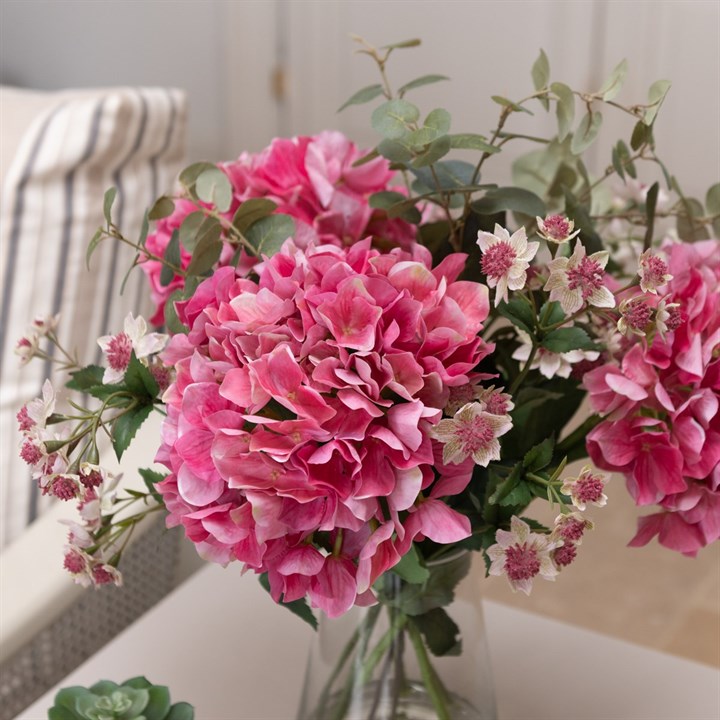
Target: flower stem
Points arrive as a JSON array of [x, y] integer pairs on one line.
[[435, 689]]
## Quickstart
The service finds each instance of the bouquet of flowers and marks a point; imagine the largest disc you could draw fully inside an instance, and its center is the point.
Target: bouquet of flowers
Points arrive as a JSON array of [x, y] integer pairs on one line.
[[373, 357]]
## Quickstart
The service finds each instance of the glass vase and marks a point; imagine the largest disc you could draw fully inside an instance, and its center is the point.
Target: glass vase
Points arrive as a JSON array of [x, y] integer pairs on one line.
[[419, 654]]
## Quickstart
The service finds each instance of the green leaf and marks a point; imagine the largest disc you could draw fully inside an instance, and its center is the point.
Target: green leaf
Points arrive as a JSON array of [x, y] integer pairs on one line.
[[519, 313], [251, 211], [68, 697], [385, 199], [366, 158], [435, 151], [92, 246], [438, 591], [208, 248], [212, 186], [395, 151], [364, 95], [500, 100], [641, 135], [471, 141], [410, 567], [137, 682], [159, 703], [564, 109], [712, 200], [108, 201], [172, 256], [554, 315], [505, 486], [144, 229], [188, 177], [125, 427], [650, 206], [419, 82], [450, 174], [656, 96], [86, 378], [621, 160], [586, 132], [392, 118], [151, 478], [181, 711], [520, 496], [297, 607], [268, 234], [439, 120], [172, 321], [614, 83], [510, 198], [104, 687], [61, 713], [139, 380], [579, 214], [540, 455], [566, 339], [413, 42], [688, 228], [441, 633], [190, 228], [536, 526], [396, 205], [162, 208], [541, 71]]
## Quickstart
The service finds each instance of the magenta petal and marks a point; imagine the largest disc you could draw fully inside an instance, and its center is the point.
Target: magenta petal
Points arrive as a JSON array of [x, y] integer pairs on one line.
[[303, 560], [440, 523], [197, 491], [334, 588]]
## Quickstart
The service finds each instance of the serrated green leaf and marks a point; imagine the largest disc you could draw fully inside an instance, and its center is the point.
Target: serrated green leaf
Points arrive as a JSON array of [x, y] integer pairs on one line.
[[435, 151], [712, 199], [586, 132], [564, 340], [419, 82], [251, 211], [539, 456], [125, 427], [510, 198], [364, 95], [656, 96], [172, 322], [541, 71], [162, 208], [641, 134], [440, 631], [108, 200], [181, 711], [507, 485], [85, 378], [438, 591], [439, 120], [190, 174], [212, 186], [268, 234], [612, 86], [500, 100], [392, 118], [139, 380], [172, 256], [297, 607], [519, 313], [410, 568], [470, 141], [151, 478], [520, 496], [189, 229], [564, 109]]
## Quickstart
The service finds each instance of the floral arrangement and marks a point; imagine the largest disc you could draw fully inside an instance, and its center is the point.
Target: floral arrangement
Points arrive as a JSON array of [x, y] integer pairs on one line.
[[135, 699], [373, 358]]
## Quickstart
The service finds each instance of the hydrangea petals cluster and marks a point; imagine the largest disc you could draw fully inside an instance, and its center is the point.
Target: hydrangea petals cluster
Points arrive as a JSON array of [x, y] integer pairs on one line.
[[313, 180], [302, 400], [521, 555], [505, 259], [662, 406], [578, 280]]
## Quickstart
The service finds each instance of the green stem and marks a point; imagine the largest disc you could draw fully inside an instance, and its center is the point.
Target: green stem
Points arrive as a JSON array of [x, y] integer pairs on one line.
[[526, 369], [577, 436], [434, 686]]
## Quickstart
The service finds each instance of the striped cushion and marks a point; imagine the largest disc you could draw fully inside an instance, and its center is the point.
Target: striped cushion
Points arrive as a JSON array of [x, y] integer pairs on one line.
[[77, 146]]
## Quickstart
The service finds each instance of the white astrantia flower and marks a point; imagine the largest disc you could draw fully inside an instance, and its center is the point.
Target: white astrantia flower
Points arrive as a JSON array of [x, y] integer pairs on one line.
[[472, 432], [586, 488], [653, 272], [551, 364], [505, 259], [521, 555], [118, 348], [578, 280], [40, 409], [667, 317], [556, 228]]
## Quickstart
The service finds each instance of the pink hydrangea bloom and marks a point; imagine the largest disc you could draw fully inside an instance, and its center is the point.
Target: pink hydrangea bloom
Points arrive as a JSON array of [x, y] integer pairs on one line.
[[303, 399], [662, 425], [311, 179]]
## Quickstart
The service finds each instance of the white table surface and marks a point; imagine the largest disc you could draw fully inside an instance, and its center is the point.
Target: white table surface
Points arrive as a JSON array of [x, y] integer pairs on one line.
[[222, 646]]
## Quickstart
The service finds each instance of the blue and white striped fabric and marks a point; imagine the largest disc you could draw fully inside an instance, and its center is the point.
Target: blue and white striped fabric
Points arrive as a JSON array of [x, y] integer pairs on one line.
[[79, 145]]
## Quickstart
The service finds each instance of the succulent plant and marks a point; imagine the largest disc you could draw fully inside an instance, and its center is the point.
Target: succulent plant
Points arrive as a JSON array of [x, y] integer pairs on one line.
[[135, 699]]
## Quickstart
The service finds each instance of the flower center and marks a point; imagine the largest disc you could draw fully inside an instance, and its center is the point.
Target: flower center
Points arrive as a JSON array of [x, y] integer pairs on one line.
[[587, 275], [497, 404], [637, 315], [475, 434], [557, 227], [101, 576], [521, 562], [674, 320], [589, 489], [572, 530], [74, 563], [119, 350], [25, 422], [497, 260], [30, 453], [64, 488], [565, 555]]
